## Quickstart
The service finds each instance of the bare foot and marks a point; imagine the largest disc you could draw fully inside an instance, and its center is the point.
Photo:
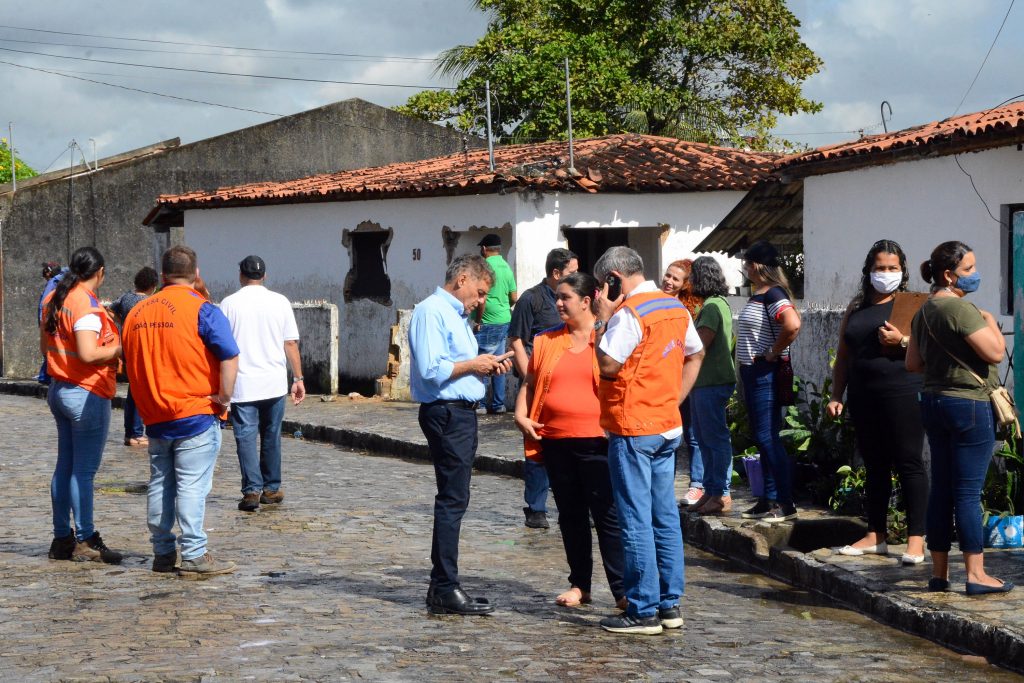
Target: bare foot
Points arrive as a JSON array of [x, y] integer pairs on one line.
[[574, 597]]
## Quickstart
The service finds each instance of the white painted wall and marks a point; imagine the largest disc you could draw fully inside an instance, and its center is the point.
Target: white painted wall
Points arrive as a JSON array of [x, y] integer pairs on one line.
[[301, 244], [920, 204]]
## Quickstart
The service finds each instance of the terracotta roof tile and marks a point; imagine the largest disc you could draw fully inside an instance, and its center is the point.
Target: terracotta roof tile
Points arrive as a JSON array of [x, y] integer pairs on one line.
[[615, 163], [970, 130]]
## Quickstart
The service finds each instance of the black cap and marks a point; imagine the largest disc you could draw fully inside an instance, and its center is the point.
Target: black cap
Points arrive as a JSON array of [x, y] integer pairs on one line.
[[490, 241], [253, 267], [762, 252]]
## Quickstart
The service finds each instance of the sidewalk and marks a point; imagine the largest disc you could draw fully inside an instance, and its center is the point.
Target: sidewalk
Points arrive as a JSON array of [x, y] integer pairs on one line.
[[798, 553]]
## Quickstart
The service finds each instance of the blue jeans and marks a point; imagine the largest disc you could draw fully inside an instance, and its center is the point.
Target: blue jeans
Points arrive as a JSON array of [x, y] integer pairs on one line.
[[180, 478], [83, 420], [692, 444], [766, 422], [491, 339], [643, 483], [961, 434], [260, 465], [535, 486], [707, 405], [133, 427]]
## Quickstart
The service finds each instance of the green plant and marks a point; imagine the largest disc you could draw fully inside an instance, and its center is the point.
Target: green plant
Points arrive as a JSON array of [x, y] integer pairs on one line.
[[1003, 490], [848, 497]]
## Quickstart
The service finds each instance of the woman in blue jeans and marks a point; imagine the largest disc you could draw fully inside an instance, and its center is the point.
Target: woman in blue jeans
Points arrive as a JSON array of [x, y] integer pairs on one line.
[[82, 347], [714, 387], [767, 325], [957, 346]]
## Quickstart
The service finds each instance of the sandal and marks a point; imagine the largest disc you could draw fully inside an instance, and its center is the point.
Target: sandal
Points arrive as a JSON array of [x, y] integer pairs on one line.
[[136, 441], [573, 597]]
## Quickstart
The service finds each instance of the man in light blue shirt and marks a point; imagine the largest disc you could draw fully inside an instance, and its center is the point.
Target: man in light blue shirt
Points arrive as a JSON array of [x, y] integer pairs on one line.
[[446, 378]]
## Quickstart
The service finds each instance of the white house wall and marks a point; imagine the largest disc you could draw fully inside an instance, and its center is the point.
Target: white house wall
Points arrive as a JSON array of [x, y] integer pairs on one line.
[[920, 204], [301, 244], [306, 261]]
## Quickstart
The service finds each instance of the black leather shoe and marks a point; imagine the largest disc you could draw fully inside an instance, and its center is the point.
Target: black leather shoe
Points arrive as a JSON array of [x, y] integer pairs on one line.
[[457, 602]]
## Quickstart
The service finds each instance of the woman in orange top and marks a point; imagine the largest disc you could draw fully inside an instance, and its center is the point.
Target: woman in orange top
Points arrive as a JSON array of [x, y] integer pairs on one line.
[[676, 282], [558, 412], [81, 346]]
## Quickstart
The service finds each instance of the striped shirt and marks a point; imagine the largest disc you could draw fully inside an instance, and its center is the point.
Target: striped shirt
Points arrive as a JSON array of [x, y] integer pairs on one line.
[[759, 324]]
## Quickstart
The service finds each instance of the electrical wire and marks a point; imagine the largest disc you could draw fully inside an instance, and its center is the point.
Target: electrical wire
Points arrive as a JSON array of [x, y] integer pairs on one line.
[[985, 60], [222, 47], [975, 187], [148, 92], [228, 73], [375, 60]]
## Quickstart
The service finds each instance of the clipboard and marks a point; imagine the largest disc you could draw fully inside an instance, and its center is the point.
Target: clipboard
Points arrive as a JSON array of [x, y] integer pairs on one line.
[[905, 306]]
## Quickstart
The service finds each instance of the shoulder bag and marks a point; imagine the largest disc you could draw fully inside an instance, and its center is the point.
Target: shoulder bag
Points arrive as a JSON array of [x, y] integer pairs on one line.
[[784, 393], [1003, 408]]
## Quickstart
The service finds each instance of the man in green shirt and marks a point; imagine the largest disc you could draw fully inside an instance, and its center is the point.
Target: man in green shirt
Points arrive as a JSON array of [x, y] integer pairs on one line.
[[494, 317]]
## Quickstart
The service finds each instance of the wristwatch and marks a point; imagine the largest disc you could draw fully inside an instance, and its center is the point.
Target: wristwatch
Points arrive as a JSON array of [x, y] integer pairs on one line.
[[296, 379], [599, 325], [904, 341]]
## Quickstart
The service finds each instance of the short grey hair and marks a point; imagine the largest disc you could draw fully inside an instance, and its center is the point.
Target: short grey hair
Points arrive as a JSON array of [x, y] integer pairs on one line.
[[622, 259], [707, 278], [475, 265]]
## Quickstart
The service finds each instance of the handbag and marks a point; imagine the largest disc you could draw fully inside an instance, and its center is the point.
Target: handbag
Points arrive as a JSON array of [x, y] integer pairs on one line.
[[1003, 531], [1003, 408], [784, 393]]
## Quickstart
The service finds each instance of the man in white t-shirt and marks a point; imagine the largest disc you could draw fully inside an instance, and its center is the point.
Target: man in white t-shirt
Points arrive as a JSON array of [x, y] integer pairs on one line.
[[264, 327], [649, 355]]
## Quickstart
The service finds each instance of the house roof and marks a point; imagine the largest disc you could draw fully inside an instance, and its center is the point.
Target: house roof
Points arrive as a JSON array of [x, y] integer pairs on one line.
[[994, 127], [615, 163]]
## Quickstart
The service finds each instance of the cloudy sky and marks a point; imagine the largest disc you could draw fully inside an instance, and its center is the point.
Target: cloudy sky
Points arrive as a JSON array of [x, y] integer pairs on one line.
[[920, 55]]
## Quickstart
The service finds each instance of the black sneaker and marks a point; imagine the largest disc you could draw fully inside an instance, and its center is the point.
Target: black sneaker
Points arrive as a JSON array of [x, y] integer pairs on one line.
[[536, 519], [61, 548], [671, 617], [643, 626], [93, 549], [759, 511], [781, 513], [165, 564]]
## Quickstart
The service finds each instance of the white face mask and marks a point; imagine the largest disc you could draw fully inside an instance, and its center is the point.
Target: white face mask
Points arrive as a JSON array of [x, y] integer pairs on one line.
[[886, 283]]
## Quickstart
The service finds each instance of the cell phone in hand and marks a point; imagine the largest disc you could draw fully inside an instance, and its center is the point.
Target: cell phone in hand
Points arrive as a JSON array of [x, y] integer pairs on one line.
[[614, 286]]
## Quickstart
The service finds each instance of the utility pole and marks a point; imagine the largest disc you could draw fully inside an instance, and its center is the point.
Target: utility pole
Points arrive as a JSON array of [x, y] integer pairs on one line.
[[10, 141], [490, 140], [568, 107]]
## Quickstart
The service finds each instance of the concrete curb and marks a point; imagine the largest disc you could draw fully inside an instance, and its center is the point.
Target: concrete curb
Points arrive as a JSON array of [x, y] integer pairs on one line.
[[758, 546]]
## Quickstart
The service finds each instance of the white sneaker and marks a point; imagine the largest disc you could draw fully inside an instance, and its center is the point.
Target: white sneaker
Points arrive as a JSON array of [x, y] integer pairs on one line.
[[692, 496]]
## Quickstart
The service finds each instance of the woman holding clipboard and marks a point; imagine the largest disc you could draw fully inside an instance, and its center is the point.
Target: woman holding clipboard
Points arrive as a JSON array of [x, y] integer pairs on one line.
[[882, 395]]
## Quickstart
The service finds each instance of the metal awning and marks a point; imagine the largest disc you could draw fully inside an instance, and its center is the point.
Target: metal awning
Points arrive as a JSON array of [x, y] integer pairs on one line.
[[772, 211]]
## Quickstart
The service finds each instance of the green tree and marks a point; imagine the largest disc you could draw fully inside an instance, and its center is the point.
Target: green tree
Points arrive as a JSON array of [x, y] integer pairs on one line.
[[22, 169], [701, 70]]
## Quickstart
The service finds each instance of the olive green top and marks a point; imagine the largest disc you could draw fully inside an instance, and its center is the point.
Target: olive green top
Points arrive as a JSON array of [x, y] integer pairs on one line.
[[952, 320]]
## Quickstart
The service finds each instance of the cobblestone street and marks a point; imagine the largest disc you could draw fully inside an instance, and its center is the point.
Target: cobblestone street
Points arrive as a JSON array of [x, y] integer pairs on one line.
[[330, 586]]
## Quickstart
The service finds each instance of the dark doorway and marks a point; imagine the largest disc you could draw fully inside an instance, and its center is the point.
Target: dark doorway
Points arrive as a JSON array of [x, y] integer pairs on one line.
[[589, 244]]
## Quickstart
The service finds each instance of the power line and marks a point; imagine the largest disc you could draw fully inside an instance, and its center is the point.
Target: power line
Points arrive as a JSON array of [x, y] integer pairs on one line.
[[985, 60], [229, 73], [148, 92], [388, 60], [222, 47]]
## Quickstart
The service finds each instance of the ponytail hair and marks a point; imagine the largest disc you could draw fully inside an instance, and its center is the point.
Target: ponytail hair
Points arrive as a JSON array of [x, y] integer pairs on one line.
[[946, 256], [84, 264]]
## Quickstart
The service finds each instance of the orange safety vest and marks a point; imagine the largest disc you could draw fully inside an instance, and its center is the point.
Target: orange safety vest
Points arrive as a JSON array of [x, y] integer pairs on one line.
[[171, 372], [62, 361], [548, 349], [643, 399]]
